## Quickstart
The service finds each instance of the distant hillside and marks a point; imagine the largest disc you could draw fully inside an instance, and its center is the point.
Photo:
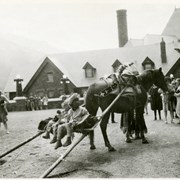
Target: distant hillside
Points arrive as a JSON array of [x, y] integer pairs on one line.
[[18, 51]]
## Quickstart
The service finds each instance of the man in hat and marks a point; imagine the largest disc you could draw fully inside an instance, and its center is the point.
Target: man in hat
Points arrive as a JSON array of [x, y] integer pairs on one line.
[[74, 116]]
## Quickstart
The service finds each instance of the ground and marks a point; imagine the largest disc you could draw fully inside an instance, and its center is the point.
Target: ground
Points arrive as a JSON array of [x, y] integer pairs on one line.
[[158, 159]]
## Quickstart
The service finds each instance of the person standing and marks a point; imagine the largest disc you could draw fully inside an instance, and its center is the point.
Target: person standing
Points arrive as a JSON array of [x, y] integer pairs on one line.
[[156, 101], [45, 102], [177, 95], [168, 100], [3, 111]]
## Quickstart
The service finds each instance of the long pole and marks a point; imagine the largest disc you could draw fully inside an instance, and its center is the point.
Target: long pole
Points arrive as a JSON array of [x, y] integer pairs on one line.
[[23, 143], [60, 159], [112, 103]]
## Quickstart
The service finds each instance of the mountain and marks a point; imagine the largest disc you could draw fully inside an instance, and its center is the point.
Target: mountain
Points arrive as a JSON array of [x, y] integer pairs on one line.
[[16, 51]]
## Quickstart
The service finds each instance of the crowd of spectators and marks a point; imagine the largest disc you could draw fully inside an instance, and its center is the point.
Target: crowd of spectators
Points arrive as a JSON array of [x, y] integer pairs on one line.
[[36, 103], [166, 101]]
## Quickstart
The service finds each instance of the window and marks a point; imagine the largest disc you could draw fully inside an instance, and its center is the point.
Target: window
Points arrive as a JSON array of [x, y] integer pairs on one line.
[[50, 77], [89, 73], [89, 70], [148, 64], [51, 94]]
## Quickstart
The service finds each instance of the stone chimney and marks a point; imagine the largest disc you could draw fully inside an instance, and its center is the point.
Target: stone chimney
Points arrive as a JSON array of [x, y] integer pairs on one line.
[[163, 51], [122, 27]]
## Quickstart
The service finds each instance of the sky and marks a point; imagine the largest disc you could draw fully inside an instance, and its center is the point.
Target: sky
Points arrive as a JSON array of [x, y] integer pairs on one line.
[[74, 25]]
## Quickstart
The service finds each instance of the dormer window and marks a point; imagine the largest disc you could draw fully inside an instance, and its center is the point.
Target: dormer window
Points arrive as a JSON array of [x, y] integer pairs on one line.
[[116, 65], [89, 70], [148, 64]]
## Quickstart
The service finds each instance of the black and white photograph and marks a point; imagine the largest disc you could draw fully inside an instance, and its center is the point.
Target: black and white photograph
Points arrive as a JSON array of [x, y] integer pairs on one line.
[[89, 89]]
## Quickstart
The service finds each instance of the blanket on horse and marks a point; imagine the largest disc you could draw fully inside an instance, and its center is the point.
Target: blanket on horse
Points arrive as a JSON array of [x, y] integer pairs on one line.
[[115, 84]]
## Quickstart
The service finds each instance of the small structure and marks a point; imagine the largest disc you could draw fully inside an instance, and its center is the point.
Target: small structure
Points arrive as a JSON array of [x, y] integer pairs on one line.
[[20, 99]]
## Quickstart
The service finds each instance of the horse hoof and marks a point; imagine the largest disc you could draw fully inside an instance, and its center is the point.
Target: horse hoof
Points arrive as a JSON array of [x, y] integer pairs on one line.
[[128, 141], [137, 137], [145, 142], [93, 147], [111, 149]]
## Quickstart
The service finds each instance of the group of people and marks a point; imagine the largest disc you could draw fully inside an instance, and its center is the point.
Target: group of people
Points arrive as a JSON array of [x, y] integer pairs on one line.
[[64, 122], [167, 101], [36, 103]]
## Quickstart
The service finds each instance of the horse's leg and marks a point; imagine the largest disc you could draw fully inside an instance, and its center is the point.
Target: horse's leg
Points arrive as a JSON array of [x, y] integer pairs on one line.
[[128, 116], [103, 126], [142, 125], [91, 139]]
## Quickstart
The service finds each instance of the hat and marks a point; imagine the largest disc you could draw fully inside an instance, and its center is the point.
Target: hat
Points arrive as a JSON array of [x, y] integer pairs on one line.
[[178, 80], [58, 112], [65, 103], [73, 97]]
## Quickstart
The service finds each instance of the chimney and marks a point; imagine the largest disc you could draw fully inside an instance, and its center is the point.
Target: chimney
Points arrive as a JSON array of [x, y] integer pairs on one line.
[[163, 51], [122, 27]]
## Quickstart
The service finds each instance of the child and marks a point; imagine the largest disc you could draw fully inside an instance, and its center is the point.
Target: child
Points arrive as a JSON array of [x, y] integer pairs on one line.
[[50, 124], [75, 115], [66, 108]]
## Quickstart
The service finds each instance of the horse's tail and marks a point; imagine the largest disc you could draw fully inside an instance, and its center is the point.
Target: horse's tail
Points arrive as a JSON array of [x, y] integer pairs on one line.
[[91, 100]]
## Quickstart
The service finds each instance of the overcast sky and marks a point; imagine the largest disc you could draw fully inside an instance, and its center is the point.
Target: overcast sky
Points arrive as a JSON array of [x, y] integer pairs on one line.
[[82, 25]]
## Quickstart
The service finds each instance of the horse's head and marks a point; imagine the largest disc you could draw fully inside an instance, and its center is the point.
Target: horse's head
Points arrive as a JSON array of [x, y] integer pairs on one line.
[[158, 79]]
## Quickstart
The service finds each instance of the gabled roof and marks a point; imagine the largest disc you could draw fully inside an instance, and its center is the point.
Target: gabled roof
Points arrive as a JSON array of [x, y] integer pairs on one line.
[[38, 71], [116, 63], [174, 67], [173, 26], [71, 64], [147, 61], [88, 65]]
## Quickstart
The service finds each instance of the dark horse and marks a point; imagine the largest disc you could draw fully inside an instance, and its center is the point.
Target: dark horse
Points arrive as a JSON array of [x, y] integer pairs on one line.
[[124, 104]]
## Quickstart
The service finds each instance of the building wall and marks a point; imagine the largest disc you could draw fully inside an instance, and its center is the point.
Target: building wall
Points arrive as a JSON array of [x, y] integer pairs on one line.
[[54, 89]]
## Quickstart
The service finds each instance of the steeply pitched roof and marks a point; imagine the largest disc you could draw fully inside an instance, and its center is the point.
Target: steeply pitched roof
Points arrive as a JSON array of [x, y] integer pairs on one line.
[[26, 70], [173, 26], [151, 39], [71, 64]]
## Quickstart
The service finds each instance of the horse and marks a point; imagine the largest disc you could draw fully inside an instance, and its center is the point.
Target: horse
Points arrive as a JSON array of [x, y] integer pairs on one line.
[[125, 104]]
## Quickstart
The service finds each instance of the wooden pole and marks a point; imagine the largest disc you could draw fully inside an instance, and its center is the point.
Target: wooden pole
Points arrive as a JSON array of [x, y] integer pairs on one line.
[[112, 103], [23, 143], [60, 159], [80, 139]]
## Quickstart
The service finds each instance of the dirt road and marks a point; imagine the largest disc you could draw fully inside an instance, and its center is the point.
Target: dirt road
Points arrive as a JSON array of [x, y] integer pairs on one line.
[[159, 158]]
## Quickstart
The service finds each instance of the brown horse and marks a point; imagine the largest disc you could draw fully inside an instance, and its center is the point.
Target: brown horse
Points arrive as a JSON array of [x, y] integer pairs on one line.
[[125, 104]]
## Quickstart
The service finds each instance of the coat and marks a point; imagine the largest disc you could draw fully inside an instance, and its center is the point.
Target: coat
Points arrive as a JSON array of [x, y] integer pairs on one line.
[[156, 100]]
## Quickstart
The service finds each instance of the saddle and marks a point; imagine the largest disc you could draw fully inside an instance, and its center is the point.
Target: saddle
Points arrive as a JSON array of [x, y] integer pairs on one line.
[[116, 84]]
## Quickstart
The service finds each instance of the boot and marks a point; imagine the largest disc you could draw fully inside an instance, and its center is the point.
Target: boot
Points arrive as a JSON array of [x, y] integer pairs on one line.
[[68, 142], [58, 144], [46, 136], [54, 139]]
